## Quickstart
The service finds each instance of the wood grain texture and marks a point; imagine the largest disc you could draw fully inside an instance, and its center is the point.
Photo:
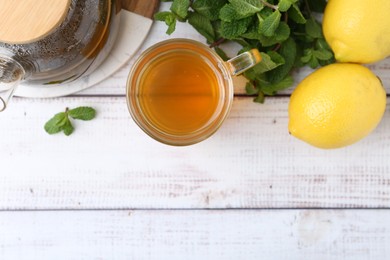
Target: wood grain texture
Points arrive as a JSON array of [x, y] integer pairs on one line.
[[145, 8], [251, 162], [222, 235]]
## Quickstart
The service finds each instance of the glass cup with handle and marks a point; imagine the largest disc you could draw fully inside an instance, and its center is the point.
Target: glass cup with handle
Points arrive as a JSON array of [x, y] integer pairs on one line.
[[180, 91]]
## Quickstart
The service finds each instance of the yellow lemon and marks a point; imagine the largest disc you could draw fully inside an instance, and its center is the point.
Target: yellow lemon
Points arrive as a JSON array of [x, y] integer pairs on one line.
[[358, 31], [336, 105]]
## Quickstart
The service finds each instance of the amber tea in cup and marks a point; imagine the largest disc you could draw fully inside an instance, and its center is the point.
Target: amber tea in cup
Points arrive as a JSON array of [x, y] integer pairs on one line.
[[179, 91]]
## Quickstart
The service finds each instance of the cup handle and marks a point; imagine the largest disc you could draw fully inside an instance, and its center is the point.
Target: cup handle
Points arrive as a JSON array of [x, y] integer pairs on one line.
[[243, 62], [11, 73], [6, 95]]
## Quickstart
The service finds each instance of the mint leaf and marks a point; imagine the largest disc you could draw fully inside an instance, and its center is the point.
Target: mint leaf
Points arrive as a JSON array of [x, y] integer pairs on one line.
[[314, 63], [315, 57], [322, 44], [208, 8], [169, 19], [61, 121], [284, 5], [252, 32], [260, 98], [231, 30], [228, 13], [313, 28], [251, 89], [180, 8], [162, 16], [217, 29], [68, 127], [247, 7], [307, 55], [171, 27], [266, 64], [270, 24], [251, 74], [317, 5], [288, 51], [272, 89], [282, 33], [296, 15], [202, 25], [82, 113], [276, 57], [56, 123], [323, 54]]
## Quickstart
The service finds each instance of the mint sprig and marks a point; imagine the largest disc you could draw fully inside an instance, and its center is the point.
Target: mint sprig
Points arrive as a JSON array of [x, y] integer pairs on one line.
[[62, 122], [286, 32]]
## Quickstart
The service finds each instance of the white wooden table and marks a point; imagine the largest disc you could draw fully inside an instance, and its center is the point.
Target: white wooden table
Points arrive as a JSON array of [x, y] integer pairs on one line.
[[251, 191]]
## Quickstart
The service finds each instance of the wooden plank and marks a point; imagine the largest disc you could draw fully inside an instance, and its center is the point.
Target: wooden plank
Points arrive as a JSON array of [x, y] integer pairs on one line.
[[251, 162], [306, 234]]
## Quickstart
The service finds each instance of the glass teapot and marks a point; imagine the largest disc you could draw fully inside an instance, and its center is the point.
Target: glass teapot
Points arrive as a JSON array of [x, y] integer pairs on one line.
[[53, 41]]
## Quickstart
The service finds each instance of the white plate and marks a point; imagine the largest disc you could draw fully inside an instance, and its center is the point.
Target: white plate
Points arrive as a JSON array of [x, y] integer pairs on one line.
[[132, 32]]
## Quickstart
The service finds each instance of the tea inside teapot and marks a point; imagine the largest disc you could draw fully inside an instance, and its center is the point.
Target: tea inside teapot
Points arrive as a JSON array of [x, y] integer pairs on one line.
[[54, 41]]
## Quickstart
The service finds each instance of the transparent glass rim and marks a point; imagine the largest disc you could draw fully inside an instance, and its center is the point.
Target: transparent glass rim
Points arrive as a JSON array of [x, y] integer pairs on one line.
[[191, 138]]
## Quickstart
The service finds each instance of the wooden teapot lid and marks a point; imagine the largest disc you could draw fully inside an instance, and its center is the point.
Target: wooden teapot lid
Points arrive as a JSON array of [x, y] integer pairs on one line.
[[24, 21]]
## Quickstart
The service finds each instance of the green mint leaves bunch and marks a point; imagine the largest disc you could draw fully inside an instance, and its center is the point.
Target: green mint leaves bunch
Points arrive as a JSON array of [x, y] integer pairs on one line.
[[286, 32], [62, 122]]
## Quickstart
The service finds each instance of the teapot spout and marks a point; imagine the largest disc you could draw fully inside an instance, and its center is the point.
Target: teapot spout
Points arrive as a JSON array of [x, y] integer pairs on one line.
[[11, 73]]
